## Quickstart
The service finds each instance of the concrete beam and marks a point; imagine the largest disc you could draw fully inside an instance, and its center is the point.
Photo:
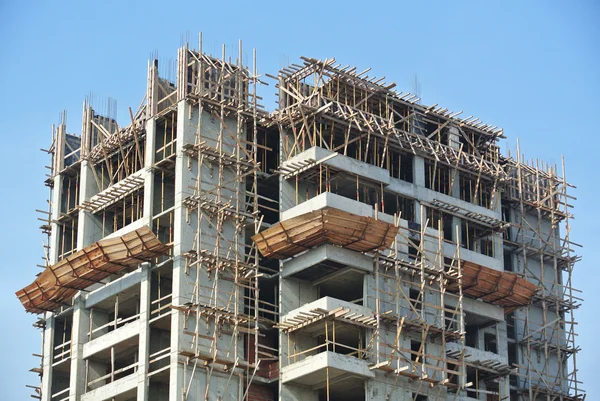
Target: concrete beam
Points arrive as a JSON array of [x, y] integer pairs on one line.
[[113, 288], [114, 337], [474, 257], [478, 308], [324, 253], [329, 304], [341, 162], [311, 371], [111, 390], [325, 200]]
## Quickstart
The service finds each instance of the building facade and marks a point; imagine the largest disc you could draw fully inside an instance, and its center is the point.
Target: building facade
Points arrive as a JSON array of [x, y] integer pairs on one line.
[[352, 245]]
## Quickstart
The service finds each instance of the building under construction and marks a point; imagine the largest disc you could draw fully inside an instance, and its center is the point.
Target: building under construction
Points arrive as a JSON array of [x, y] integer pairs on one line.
[[352, 245]]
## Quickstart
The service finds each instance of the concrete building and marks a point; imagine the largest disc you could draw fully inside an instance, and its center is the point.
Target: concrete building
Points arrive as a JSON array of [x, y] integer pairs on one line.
[[352, 245]]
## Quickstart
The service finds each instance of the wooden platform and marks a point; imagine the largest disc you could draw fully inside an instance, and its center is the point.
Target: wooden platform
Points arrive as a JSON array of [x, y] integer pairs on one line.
[[499, 288], [333, 226], [61, 281]]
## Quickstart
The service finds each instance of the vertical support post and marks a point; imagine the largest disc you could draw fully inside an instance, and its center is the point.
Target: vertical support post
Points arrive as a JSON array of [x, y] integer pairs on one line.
[[78, 338], [144, 335]]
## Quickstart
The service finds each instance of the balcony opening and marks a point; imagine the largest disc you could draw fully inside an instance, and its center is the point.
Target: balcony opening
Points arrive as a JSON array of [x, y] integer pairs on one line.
[[451, 317], [400, 165], [471, 335], [433, 131], [416, 354], [345, 339], [267, 349], [490, 342], [63, 327], [346, 287], [67, 236], [508, 261], [160, 353], [475, 191], [119, 213], [164, 191], [419, 397], [268, 198], [415, 299], [398, 205], [166, 137], [162, 227], [453, 373], [114, 312], [438, 177], [414, 245], [476, 240], [510, 326], [161, 288], [112, 364], [267, 151], [512, 354], [60, 383], [441, 222], [349, 389], [266, 306]]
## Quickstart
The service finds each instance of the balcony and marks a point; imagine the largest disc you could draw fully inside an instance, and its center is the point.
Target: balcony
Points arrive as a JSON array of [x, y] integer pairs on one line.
[[311, 372], [504, 289], [325, 261], [325, 225], [481, 360]]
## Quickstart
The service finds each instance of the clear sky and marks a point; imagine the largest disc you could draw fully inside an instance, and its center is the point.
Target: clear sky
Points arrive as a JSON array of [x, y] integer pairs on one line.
[[531, 67]]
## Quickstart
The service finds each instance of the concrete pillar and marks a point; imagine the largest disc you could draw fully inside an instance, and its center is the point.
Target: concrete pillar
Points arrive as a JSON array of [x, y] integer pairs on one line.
[[456, 222], [453, 138], [183, 235], [419, 181], [419, 171], [81, 324], [48, 350], [54, 240], [144, 336], [88, 229], [149, 175]]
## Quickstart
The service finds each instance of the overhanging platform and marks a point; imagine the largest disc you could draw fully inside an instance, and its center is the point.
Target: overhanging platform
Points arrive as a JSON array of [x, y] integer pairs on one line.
[[311, 372], [325, 226], [499, 288], [61, 281]]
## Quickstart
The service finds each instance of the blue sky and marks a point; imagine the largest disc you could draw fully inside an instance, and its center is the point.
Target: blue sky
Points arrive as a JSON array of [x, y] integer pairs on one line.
[[530, 67]]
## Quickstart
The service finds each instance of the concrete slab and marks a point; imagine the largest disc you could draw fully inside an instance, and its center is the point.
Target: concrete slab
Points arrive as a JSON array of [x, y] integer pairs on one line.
[[477, 356], [114, 287], [479, 308], [323, 260], [329, 304], [119, 335], [111, 390], [325, 200], [311, 371], [339, 162]]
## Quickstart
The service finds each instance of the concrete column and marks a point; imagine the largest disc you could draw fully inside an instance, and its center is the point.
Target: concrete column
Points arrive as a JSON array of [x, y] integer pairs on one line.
[[144, 336], [183, 235], [453, 138], [419, 171], [456, 222], [88, 229], [149, 175], [81, 324], [48, 350], [54, 240], [419, 181], [455, 190]]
